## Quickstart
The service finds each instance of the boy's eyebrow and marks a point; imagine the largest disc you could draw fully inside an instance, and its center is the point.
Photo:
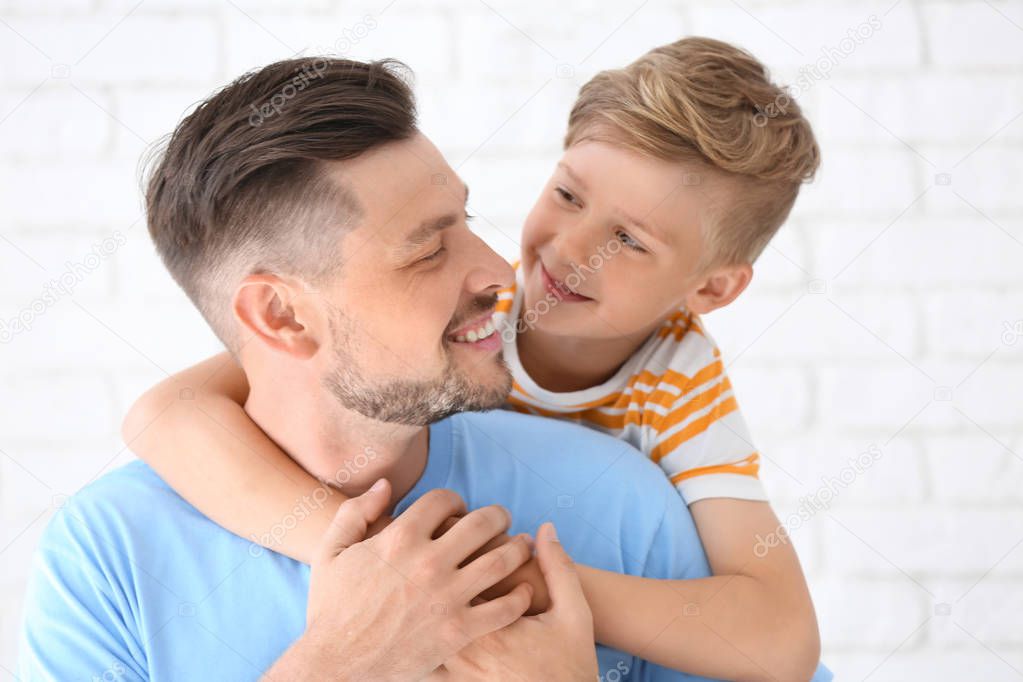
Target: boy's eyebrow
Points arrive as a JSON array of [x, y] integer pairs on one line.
[[572, 174], [646, 227]]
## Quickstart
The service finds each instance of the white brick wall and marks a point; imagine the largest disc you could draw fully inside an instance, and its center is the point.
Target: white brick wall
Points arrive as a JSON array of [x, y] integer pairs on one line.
[[888, 313]]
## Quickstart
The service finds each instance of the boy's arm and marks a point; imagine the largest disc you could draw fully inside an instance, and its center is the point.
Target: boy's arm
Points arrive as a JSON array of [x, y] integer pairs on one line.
[[191, 428], [752, 620]]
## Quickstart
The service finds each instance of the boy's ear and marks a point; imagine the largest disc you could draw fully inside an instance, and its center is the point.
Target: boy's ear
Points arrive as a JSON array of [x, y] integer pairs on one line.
[[720, 287], [274, 311]]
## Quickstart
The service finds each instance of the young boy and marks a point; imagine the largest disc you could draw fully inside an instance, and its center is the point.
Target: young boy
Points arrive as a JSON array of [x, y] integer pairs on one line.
[[672, 182]]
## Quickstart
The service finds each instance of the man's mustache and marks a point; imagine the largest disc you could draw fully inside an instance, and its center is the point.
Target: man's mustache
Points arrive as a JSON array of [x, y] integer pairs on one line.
[[478, 306]]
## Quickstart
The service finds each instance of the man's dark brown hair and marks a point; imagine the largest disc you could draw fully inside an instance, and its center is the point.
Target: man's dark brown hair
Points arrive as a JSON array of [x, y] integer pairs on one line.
[[242, 186]]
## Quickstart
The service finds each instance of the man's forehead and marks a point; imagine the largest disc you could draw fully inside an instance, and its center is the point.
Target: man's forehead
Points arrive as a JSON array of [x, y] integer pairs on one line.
[[402, 201], [398, 173]]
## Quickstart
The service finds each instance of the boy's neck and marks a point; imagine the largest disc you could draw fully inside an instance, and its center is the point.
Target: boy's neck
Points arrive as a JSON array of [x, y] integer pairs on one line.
[[566, 363]]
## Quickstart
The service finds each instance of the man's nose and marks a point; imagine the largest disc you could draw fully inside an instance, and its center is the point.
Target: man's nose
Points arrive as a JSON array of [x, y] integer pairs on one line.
[[489, 272]]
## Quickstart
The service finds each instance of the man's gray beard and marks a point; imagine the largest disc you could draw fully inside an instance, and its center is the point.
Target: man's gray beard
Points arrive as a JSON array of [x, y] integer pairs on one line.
[[404, 401]]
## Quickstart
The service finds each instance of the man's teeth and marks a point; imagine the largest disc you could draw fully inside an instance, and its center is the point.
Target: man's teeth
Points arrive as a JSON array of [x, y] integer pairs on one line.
[[477, 334]]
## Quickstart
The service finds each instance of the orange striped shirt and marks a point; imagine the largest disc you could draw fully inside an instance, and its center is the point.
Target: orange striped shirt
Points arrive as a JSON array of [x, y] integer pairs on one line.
[[671, 400]]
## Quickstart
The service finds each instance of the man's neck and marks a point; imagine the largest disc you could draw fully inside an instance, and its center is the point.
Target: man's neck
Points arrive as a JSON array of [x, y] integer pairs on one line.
[[340, 447]]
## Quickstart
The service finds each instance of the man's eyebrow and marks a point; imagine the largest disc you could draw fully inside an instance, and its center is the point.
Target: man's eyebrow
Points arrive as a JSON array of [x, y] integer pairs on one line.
[[431, 226]]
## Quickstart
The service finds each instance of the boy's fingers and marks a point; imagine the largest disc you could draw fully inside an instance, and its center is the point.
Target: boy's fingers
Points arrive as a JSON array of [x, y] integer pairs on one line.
[[566, 592], [498, 613], [353, 519], [426, 514], [474, 531]]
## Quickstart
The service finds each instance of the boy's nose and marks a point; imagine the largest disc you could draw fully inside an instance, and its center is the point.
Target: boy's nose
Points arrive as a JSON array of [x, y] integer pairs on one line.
[[574, 245]]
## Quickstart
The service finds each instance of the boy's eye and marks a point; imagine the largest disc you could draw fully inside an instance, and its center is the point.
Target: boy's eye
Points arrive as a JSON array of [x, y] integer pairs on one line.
[[565, 194], [629, 242]]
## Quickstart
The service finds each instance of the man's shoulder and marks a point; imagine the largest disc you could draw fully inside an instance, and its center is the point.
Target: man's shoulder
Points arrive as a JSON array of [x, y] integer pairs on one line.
[[610, 502], [510, 427], [131, 501], [555, 445], [121, 490]]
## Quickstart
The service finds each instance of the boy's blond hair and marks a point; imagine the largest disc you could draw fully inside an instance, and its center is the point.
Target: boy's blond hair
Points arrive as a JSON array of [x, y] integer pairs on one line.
[[711, 105]]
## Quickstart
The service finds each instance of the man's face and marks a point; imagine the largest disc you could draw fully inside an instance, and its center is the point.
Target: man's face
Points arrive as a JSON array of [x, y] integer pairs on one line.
[[411, 305]]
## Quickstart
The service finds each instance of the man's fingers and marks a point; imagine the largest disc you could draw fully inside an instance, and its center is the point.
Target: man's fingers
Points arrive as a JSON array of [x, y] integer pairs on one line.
[[473, 531], [566, 592], [440, 674], [496, 565], [431, 510], [352, 520], [500, 612]]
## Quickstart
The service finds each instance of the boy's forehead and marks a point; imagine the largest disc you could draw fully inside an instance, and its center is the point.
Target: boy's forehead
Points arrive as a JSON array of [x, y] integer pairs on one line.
[[654, 194]]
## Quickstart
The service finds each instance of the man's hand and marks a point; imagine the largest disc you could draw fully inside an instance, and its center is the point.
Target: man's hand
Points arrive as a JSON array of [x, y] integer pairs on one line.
[[396, 605], [555, 645], [528, 572]]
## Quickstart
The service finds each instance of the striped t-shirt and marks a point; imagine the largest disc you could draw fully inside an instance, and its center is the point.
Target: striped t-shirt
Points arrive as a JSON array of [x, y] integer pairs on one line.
[[671, 400]]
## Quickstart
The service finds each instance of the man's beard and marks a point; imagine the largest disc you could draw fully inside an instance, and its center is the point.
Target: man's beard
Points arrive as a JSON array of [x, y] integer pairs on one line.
[[406, 401]]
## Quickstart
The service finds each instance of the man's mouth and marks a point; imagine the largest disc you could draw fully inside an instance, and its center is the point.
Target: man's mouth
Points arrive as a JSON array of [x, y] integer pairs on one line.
[[480, 333], [559, 289]]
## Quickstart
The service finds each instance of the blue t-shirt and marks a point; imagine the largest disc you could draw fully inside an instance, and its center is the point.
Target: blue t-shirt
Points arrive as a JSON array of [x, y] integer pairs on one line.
[[133, 583]]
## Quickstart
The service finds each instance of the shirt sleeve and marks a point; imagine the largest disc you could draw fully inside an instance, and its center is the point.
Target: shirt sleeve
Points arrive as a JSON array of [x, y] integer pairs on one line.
[[74, 626], [703, 444]]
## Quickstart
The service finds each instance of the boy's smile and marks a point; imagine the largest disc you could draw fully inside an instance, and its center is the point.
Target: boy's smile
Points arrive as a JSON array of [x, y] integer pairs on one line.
[[559, 288]]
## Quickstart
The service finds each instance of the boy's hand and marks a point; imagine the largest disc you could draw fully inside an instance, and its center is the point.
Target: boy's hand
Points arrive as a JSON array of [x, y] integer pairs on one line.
[[528, 572], [555, 645]]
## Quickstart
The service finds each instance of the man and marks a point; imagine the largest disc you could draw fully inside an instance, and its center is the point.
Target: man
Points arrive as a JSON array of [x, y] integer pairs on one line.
[[325, 242]]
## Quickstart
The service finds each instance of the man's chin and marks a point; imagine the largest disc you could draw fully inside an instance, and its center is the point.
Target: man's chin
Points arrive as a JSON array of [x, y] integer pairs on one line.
[[491, 379]]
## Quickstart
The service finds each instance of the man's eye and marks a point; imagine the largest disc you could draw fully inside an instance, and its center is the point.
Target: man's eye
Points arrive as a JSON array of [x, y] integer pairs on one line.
[[469, 217], [433, 256], [629, 242]]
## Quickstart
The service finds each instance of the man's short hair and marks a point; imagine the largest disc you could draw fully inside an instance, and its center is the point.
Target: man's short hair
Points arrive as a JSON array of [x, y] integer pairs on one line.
[[242, 186]]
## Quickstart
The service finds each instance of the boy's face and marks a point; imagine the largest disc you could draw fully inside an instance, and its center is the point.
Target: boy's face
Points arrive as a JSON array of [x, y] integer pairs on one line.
[[612, 244]]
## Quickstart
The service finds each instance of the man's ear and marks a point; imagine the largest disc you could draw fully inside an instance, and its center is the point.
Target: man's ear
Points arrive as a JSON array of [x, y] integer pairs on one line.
[[719, 288], [274, 310]]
